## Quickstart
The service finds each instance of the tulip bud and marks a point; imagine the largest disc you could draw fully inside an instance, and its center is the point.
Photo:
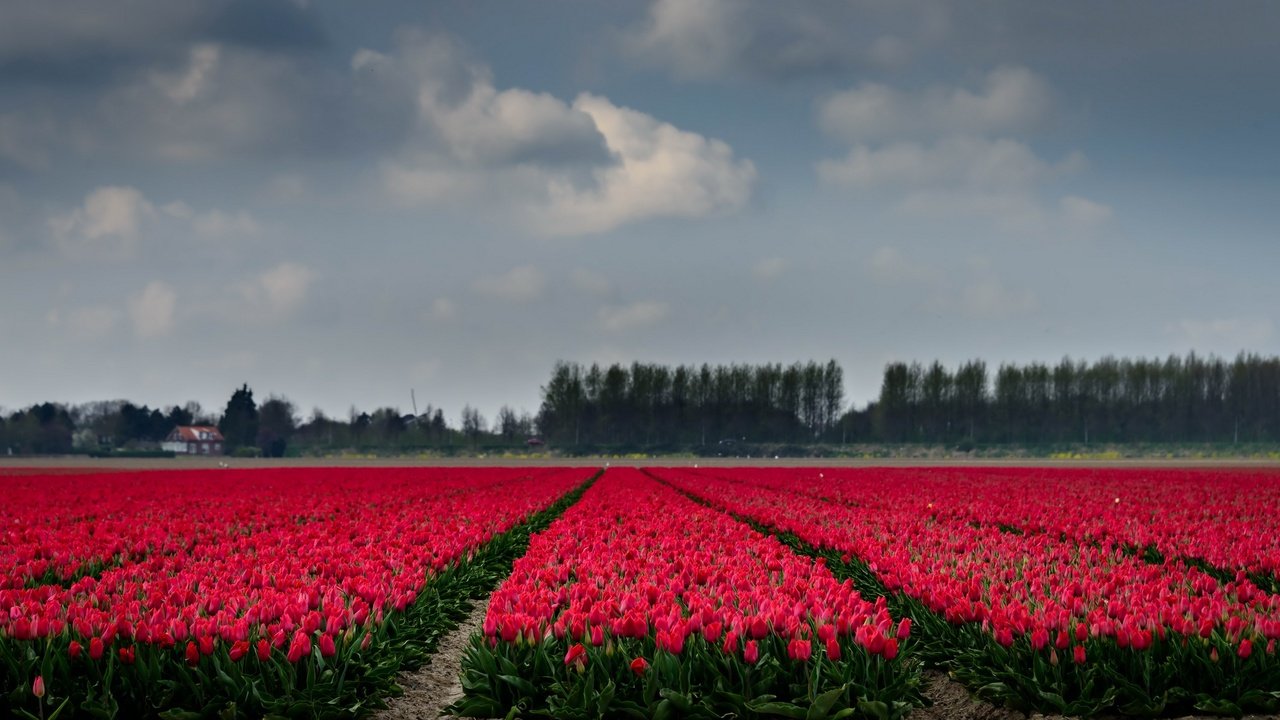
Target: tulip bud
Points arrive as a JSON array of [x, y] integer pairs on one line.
[[1245, 649], [37, 686], [1213, 654], [74, 649], [639, 666], [750, 652], [576, 657]]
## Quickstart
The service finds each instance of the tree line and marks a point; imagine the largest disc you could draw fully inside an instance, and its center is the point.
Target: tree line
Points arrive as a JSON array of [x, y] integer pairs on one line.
[[653, 406], [719, 408], [1178, 399], [272, 428]]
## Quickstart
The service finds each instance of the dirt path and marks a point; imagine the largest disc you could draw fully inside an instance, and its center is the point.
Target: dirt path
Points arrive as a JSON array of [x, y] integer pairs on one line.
[[435, 685]]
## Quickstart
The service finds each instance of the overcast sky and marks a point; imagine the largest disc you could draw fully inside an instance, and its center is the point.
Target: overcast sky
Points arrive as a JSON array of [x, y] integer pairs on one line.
[[339, 201]]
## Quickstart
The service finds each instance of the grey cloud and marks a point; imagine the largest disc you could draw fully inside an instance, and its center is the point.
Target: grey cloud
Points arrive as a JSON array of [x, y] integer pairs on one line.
[[268, 25], [89, 42], [713, 39]]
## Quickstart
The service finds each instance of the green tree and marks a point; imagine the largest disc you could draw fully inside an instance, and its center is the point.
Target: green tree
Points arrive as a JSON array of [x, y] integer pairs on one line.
[[277, 421], [239, 423]]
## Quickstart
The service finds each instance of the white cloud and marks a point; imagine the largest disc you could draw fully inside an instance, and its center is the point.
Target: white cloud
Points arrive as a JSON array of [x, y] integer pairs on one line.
[[621, 318], [968, 162], [950, 151], [1011, 99], [662, 171], [1082, 212], [413, 185], [565, 169], [1224, 334], [106, 226], [185, 86], [152, 310], [278, 292], [114, 219], [769, 268], [217, 224], [520, 284], [590, 282]]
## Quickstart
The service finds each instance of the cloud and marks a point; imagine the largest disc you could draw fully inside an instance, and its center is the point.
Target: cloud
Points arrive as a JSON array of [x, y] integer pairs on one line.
[[520, 284], [1224, 334], [1011, 99], [152, 310], [888, 265], [113, 220], [106, 226], [590, 282], [948, 152], [26, 140], [1083, 213], [662, 171], [92, 322], [279, 292], [974, 291], [955, 161], [217, 224], [714, 39], [769, 268], [622, 318], [442, 308], [185, 86], [992, 299], [565, 169]]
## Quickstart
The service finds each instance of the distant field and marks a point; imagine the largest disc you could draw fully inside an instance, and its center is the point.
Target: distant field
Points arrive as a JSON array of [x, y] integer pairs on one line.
[[14, 465]]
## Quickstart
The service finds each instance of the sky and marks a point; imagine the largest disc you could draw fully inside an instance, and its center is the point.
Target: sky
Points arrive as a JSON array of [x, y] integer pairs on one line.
[[341, 202]]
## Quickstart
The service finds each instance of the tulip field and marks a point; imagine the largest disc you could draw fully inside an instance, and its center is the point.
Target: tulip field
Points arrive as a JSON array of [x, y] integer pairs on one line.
[[679, 592]]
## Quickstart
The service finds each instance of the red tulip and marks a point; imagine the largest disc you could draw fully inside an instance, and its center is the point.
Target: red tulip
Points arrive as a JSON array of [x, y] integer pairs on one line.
[[327, 648], [95, 648], [576, 657], [264, 650], [833, 649], [639, 666], [750, 652], [74, 649], [1245, 649], [1079, 654], [890, 648], [300, 647], [799, 649], [904, 629], [37, 686], [193, 654], [239, 649]]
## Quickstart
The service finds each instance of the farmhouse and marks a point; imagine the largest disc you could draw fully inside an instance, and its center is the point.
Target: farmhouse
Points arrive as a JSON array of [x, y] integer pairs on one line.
[[194, 440]]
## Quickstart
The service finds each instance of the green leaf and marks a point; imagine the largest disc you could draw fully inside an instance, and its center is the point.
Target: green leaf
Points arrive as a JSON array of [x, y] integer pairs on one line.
[[822, 705], [778, 708]]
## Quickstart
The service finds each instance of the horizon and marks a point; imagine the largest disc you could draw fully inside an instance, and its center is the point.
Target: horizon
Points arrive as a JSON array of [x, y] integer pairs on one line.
[[340, 207]]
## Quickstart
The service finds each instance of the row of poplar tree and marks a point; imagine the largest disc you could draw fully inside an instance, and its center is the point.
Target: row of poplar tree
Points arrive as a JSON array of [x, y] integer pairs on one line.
[[1110, 400]]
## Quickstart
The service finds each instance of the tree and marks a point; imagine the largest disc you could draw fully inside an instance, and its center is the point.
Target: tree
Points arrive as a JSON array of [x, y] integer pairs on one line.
[[473, 424], [277, 421], [239, 423]]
